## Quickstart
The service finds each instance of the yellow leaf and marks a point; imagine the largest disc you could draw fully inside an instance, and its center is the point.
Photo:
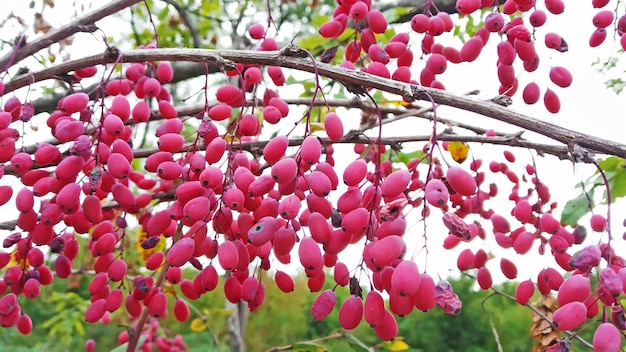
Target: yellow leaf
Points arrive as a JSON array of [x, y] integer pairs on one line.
[[231, 139], [400, 103], [146, 253], [197, 325], [398, 345], [317, 126], [458, 151]]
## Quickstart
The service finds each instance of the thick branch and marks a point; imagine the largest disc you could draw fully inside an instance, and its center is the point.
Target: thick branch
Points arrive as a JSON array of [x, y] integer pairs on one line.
[[84, 24], [355, 81], [559, 151]]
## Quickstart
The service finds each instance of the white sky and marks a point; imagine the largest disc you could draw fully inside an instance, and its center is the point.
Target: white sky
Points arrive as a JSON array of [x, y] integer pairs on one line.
[[586, 106]]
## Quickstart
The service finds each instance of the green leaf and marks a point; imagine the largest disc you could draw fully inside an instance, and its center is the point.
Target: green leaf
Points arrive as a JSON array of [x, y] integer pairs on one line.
[[405, 158], [311, 43], [617, 184], [339, 346], [79, 327], [576, 208], [319, 20], [209, 6], [611, 163]]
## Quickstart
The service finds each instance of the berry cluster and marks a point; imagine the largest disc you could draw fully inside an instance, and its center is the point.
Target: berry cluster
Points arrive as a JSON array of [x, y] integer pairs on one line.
[[243, 210]]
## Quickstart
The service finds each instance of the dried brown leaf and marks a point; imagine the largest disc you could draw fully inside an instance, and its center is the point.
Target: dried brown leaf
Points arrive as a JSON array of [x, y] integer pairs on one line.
[[41, 25], [545, 327], [550, 339]]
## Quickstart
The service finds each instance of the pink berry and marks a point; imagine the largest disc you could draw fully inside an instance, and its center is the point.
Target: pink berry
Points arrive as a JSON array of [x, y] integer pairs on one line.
[[256, 31]]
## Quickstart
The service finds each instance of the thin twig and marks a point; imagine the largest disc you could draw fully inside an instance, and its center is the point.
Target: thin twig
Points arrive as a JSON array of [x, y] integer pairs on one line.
[[335, 336], [136, 333], [511, 141], [496, 336], [570, 334]]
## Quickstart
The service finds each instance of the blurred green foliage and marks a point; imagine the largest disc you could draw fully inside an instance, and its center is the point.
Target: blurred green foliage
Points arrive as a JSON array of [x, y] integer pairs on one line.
[[284, 319]]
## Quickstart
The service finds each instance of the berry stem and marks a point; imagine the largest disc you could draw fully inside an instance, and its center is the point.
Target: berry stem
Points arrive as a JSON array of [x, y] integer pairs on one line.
[[135, 334]]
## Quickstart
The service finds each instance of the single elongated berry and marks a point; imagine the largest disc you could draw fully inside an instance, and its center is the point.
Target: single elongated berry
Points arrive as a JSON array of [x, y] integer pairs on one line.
[[436, 193], [524, 292], [271, 115], [341, 274], [465, 260], [230, 94], [424, 297], [323, 305], [356, 220], [256, 31], [388, 329], [284, 282], [461, 181], [395, 183], [333, 126], [310, 254], [158, 305], [284, 170], [508, 268], [284, 240], [351, 312], [331, 29], [232, 289], [24, 324], [275, 149], [597, 37], [95, 311], [181, 252], [114, 300], [385, 250], [220, 112], [374, 308], [597, 222], [8, 303], [560, 76], [74, 102], [531, 93], [228, 255], [377, 22], [555, 6], [181, 310], [570, 316], [471, 49], [551, 101], [405, 279], [355, 172], [466, 7], [117, 270], [276, 74], [310, 150], [484, 278], [319, 227], [607, 338], [263, 231]]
